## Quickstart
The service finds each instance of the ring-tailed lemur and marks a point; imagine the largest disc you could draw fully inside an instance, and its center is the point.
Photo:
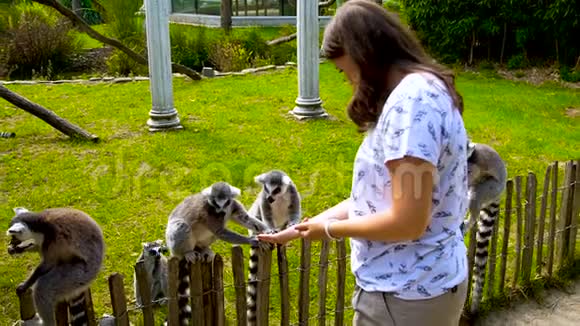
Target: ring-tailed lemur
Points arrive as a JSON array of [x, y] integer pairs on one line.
[[156, 267], [278, 205], [71, 248], [487, 176], [4, 134], [197, 222]]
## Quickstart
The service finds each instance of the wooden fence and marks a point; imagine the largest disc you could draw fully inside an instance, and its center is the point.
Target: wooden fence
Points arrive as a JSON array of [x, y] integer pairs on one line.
[[540, 224]]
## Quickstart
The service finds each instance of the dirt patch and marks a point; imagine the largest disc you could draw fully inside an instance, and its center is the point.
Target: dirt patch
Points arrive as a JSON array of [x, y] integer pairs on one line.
[[557, 308], [573, 112]]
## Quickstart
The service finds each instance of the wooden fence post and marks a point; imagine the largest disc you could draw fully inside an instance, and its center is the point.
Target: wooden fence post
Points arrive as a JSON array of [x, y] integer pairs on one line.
[[542, 220], [304, 285], [470, 258], [61, 314], [208, 295], [284, 286], [172, 295], [492, 258], [196, 293], [143, 283], [518, 246], [218, 288], [89, 308], [574, 210], [263, 290], [322, 277], [118, 300], [340, 282], [553, 207], [240, 285], [565, 216], [27, 310], [529, 230], [506, 234]]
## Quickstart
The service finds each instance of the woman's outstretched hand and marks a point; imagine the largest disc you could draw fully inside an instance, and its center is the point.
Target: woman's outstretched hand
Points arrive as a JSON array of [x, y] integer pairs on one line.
[[311, 230], [281, 237]]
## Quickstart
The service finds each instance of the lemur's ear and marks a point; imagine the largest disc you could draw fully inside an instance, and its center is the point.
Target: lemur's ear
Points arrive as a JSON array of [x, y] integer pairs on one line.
[[286, 180], [236, 191], [470, 148], [206, 191], [20, 210], [260, 178]]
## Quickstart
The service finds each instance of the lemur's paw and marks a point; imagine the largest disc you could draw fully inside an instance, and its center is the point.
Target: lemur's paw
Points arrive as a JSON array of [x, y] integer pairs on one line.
[[193, 257]]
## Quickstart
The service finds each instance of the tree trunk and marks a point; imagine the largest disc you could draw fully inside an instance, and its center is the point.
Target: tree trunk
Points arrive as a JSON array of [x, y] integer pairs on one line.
[[226, 15], [47, 116], [557, 52], [503, 43], [84, 27], [472, 46]]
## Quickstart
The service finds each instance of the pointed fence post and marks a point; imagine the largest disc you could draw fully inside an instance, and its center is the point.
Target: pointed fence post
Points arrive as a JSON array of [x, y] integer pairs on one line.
[[163, 116]]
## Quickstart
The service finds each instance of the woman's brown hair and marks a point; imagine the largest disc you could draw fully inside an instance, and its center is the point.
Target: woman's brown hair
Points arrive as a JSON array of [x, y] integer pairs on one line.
[[376, 41]]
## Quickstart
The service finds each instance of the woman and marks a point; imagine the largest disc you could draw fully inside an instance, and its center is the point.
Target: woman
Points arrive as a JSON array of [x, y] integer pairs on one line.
[[409, 186]]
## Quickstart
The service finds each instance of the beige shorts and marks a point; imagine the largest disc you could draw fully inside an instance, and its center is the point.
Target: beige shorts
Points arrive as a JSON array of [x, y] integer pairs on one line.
[[379, 308]]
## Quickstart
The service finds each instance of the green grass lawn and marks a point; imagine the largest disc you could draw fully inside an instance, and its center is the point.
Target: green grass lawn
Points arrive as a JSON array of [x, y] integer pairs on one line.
[[235, 128]]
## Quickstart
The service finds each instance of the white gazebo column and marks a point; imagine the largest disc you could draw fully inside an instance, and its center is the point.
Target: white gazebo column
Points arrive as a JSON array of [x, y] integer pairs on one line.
[[163, 116], [308, 102]]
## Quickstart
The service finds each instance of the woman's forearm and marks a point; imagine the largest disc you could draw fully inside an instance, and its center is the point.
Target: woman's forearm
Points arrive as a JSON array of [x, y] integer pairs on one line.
[[383, 226], [338, 211]]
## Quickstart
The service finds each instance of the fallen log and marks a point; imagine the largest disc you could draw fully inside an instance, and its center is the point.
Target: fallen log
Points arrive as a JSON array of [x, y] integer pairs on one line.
[[46, 115]]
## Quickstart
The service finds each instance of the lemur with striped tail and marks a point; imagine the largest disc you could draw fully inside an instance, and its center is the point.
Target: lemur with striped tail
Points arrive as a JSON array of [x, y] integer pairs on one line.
[[156, 266], [197, 222], [71, 248], [487, 176], [278, 205]]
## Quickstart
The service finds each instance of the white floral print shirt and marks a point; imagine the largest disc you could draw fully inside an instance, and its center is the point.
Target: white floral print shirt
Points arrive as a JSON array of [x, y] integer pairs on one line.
[[418, 120]]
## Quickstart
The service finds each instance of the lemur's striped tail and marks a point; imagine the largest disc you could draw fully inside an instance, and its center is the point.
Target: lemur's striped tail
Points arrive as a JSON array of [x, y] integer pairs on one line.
[[487, 218], [183, 293], [77, 310], [4, 134], [252, 286]]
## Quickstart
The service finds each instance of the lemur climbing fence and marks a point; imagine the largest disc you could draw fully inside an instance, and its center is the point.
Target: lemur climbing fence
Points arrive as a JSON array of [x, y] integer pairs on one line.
[[544, 241]]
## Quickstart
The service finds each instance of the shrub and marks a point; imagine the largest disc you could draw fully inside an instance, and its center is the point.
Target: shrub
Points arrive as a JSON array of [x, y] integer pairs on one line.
[[229, 55], [570, 75], [517, 61], [189, 49], [255, 44], [124, 25], [37, 42]]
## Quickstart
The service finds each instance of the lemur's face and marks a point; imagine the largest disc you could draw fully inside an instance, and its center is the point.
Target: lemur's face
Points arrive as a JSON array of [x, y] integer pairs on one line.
[[154, 249], [221, 195], [273, 190], [21, 237], [274, 183]]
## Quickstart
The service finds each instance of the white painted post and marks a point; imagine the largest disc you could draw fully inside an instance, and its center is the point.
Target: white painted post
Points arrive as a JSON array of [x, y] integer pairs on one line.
[[308, 102], [163, 116]]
